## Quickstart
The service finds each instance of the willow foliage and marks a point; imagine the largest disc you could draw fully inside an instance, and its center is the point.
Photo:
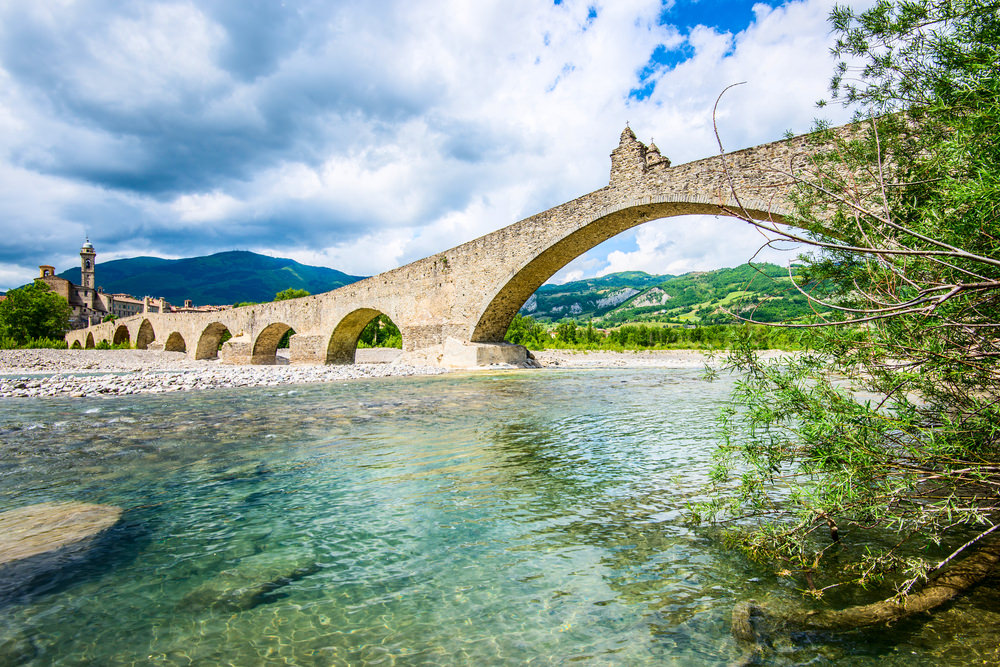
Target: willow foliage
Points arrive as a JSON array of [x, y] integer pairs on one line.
[[890, 426]]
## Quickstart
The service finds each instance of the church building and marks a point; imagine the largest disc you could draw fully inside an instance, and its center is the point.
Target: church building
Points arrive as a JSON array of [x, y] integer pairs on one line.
[[89, 303]]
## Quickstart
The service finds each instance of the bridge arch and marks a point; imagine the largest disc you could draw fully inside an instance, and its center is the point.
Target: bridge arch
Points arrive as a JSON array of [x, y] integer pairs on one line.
[[145, 335], [209, 341], [175, 343], [515, 289], [89, 344], [76, 345], [121, 335], [265, 348], [343, 344]]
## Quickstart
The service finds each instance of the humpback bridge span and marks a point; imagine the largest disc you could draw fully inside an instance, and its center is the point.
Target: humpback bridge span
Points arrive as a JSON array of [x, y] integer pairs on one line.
[[453, 308]]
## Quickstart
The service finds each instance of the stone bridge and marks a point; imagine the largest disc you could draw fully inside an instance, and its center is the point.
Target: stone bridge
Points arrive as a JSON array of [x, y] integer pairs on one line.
[[453, 308]]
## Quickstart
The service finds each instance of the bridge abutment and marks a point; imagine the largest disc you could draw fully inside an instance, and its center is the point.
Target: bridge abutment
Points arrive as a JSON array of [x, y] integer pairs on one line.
[[459, 354], [455, 353]]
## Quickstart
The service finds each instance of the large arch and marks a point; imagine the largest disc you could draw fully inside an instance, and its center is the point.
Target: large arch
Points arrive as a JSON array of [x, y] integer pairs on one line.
[[121, 335], [209, 341], [265, 348], [175, 343], [344, 341], [517, 288], [90, 341], [145, 336]]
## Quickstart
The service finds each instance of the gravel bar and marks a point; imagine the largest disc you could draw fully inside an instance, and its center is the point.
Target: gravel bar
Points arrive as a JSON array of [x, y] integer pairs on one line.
[[78, 373]]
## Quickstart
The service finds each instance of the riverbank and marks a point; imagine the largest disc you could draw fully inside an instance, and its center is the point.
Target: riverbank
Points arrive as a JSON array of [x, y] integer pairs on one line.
[[639, 358], [76, 373]]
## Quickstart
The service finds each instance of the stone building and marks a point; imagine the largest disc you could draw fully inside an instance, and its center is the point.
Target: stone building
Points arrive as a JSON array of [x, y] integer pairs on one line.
[[89, 303]]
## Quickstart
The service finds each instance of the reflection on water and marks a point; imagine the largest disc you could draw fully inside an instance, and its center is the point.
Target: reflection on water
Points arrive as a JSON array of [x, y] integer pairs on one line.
[[528, 517]]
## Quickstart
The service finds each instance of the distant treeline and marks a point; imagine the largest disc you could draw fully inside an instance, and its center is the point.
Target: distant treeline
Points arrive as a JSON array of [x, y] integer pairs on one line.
[[568, 335]]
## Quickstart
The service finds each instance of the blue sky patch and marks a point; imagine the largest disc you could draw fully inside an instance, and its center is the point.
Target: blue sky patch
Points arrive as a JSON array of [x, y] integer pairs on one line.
[[731, 16], [723, 15]]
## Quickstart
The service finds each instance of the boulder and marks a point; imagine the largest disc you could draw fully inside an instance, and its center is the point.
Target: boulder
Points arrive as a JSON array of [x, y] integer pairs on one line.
[[39, 538]]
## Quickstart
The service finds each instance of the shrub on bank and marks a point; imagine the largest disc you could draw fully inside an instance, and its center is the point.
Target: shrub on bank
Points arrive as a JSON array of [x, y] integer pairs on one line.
[[567, 335], [105, 345], [8, 343]]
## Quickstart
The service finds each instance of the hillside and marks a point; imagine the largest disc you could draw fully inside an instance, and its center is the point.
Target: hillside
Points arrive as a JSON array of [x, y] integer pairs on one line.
[[692, 298], [222, 278]]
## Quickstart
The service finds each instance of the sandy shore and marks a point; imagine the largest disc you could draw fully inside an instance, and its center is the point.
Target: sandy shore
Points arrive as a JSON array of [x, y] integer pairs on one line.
[[33, 373]]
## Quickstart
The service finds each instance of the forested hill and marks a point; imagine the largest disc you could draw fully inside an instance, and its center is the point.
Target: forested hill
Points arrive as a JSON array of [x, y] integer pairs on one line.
[[692, 298], [222, 278]]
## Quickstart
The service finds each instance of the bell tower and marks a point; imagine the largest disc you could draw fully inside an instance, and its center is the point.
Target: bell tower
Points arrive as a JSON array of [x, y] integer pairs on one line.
[[87, 256]]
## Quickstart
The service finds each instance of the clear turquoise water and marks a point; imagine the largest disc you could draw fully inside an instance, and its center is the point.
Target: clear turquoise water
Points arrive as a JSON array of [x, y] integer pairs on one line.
[[517, 518]]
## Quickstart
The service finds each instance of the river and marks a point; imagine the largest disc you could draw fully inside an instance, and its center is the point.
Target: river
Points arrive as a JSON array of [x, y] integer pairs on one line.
[[529, 517]]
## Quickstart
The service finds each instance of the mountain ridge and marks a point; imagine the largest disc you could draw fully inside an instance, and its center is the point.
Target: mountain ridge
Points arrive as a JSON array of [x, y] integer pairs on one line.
[[763, 292], [222, 278]]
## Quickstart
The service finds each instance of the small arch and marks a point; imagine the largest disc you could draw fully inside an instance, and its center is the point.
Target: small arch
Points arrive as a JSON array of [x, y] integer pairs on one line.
[[265, 348], [145, 335], [90, 341], [344, 341], [175, 343], [210, 340], [121, 336], [76, 345]]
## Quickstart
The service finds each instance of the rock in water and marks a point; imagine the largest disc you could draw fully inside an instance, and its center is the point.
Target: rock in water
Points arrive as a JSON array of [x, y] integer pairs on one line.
[[249, 583], [40, 537]]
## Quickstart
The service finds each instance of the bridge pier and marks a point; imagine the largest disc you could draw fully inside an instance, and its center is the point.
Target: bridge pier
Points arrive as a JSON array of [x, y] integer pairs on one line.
[[307, 349], [238, 350]]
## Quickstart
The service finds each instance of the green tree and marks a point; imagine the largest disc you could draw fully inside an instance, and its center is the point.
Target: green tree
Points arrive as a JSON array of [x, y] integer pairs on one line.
[[290, 293], [380, 332], [591, 336], [524, 330], [566, 332], [885, 435], [32, 312]]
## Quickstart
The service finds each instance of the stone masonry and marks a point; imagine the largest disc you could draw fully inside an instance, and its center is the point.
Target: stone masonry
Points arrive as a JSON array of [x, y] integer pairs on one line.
[[453, 308]]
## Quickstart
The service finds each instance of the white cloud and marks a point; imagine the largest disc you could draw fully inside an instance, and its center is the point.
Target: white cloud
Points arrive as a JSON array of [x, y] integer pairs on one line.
[[697, 243], [156, 59], [381, 250], [378, 135], [198, 208]]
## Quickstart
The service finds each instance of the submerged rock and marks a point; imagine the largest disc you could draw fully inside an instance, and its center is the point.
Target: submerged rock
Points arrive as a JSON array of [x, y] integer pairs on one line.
[[40, 538], [47, 527], [249, 584]]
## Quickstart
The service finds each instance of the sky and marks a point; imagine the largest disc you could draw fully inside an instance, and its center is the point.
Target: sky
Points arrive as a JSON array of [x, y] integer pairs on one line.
[[362, 136]]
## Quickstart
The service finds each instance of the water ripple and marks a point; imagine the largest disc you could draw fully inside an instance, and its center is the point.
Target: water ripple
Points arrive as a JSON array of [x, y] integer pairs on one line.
[[494, 519]]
